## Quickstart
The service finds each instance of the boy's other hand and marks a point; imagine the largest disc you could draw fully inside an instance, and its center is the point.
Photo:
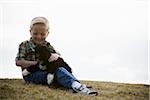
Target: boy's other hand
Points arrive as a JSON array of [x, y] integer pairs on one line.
[[53, 57]]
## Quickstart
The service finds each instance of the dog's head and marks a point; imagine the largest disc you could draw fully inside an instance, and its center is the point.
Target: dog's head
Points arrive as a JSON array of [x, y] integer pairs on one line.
[[44, 52]]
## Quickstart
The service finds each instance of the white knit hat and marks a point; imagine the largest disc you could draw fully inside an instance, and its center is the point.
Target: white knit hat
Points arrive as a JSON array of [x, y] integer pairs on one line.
[[40, 20]]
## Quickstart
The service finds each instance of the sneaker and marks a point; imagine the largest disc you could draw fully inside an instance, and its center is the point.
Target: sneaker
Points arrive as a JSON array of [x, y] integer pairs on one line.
[[84, 90]]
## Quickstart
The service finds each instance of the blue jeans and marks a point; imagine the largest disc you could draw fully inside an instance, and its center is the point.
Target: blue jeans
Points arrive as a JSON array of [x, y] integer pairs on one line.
[[61, 75]]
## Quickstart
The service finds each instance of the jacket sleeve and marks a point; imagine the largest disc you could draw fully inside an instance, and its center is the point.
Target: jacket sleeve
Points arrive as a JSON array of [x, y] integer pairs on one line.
[[21, 52]]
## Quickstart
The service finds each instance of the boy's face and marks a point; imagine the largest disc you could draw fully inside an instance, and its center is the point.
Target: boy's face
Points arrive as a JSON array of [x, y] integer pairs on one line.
[[39, 33]]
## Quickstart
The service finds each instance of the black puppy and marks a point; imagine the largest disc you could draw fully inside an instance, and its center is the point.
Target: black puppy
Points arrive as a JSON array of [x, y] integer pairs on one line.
[[44, 54]]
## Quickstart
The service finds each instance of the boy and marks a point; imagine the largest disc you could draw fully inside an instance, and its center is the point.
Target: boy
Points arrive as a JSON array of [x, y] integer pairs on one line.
[[27, 57]]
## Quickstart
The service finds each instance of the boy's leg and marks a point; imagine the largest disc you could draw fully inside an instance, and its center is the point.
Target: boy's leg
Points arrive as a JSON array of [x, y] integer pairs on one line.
[[38, 77], [67, 80], [64, 78]]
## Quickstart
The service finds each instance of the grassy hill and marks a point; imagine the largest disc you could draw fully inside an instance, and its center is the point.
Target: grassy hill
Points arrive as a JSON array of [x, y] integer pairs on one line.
[[17, 89]]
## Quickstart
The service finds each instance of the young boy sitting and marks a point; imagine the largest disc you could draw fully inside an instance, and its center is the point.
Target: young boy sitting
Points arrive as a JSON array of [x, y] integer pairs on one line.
[[27, 57]]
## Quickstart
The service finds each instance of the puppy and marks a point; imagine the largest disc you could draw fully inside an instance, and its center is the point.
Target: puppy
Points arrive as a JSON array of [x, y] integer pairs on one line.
[[44, 54]]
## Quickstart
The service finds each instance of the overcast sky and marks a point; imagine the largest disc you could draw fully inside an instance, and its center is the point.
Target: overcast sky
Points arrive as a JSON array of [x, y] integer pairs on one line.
[[101, 40]]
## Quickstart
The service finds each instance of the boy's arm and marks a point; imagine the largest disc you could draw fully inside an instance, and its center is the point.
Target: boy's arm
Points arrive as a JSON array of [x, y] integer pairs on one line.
[[25, 63], [20, 59], [53, 57]]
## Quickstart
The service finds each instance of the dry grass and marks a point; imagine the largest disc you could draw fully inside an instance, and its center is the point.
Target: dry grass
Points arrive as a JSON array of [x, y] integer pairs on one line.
[[16, 89]]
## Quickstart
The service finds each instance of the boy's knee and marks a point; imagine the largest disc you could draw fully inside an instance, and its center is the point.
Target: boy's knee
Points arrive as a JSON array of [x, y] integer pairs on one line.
[[61, 68]]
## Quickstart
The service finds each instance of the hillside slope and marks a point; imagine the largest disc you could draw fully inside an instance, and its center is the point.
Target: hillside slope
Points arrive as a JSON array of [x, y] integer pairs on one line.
[[17, 89]]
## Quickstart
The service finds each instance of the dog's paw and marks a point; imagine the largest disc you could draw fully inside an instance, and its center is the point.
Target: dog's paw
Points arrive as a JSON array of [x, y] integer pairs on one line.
[[25, 72], [50, 78]]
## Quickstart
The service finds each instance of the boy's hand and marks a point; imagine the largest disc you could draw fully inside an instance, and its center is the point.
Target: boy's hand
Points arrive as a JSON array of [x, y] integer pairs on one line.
[[53, 57]]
